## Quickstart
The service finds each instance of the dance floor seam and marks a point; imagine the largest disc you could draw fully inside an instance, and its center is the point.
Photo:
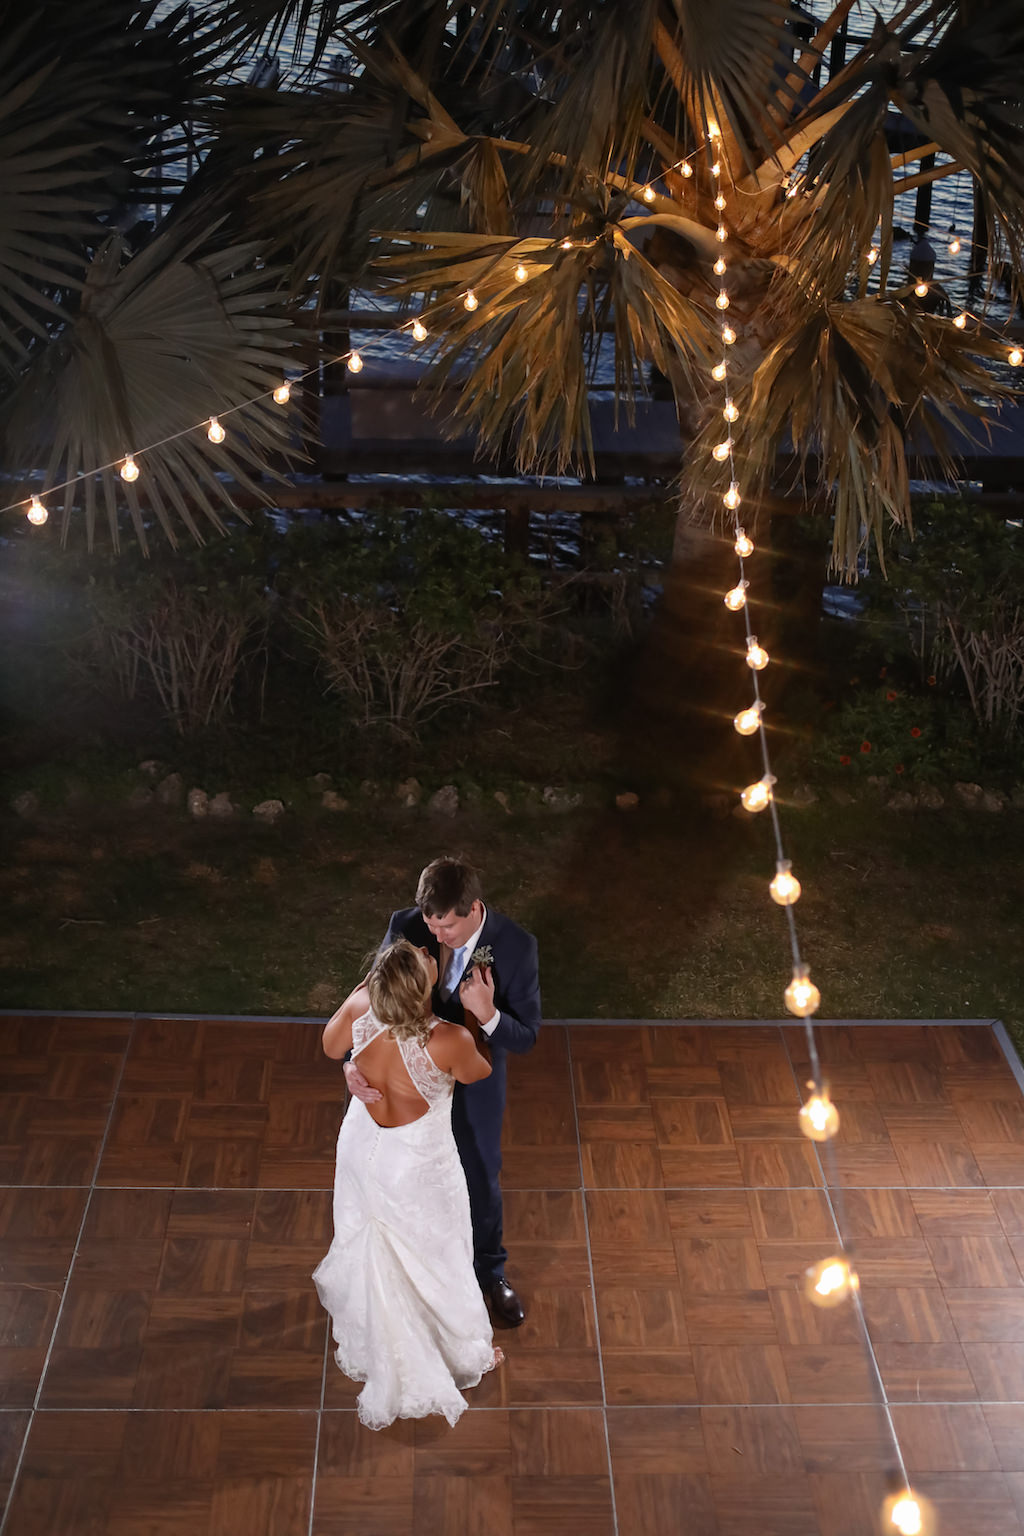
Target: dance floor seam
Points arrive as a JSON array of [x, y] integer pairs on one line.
[[165, 1366]]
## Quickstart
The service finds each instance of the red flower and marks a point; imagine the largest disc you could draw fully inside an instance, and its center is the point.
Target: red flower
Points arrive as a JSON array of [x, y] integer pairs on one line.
[[898, 768], [845, 760], [890, 696], [865, 746], [932, 681], [915, 731]]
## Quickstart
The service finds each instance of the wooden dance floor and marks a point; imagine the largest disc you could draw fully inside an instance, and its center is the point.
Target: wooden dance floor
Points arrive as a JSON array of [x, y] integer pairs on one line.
[[163, 1358]]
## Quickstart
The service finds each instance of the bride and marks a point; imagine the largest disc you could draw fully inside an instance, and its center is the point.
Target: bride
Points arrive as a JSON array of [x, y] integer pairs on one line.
[[406, 1309]]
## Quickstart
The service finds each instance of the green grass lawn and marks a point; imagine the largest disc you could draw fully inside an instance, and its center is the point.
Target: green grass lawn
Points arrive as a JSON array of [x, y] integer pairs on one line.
[[655, 913]]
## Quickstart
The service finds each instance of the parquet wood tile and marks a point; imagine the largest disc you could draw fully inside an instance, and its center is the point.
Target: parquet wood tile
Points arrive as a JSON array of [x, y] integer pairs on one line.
[[667, 1324]]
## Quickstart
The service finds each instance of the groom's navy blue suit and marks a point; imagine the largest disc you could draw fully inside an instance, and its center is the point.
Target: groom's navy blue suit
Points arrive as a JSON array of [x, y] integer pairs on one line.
[[477, 1108]]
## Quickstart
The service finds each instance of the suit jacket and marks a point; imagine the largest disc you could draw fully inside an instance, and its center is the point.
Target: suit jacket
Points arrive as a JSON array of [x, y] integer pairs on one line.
[[516, 980]]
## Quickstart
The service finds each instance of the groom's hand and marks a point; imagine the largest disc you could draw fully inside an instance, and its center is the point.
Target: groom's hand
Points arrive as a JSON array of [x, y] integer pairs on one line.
[[358, 1087], [476, 994]]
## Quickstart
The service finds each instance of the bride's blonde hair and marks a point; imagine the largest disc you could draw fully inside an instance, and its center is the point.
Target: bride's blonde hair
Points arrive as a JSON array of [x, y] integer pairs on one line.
[[400, 991]]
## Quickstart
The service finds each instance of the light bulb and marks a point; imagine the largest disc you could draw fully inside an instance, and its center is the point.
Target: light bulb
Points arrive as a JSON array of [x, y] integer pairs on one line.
[[355, 363], [520, 274], [954, 247], [818, 1117], [36, 513], [686, 169], [215, 432], [736, 597], [722, 302], [719, 371], [129, 469], [920, 289], [872, 255], [566, 246], [714, 132], [830, 1281], [792, 191], [728, 335], [960, 321], [756, 796], [757, 656], [1015, 357], [744, 545], [716, 169], [720, 202], [649, 194], [721, 233], [732, 497], [283, 393], [785, 887], [730, 412], [907, 1513], [748, 720], [802, 996], [721, 451], [471, 301], [719, 266], [419, 331]]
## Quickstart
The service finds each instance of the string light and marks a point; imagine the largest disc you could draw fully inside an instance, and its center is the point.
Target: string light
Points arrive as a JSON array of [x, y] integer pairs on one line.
[[818, 1117], [830, 1281], [686, 169], [960, 321], [757, 656], [802, 996], [720, 202], [756, 796], [716, 169], [129, 469], [730, 412], [736, 597], [471, 301], [872, 255], [785, 887], [954, 244], [721, 451], [921, 289], [719, 371], [37, 513], [749, 720], [649, 194], [566, 246], [728, 335], [907, 1513], [744, 545], [520, 274], [719, 266], [283, 393], [732, 498], [714, 132], [1015, 357], [721, 233], [214, 431], [722, 302], [355, 363], [419, 330]]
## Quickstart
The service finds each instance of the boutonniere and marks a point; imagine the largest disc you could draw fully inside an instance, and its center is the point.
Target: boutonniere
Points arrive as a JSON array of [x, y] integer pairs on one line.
[[483, 955]]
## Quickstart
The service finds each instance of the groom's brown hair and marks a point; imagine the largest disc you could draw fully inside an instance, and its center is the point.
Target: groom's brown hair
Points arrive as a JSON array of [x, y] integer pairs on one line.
[[448, 885]]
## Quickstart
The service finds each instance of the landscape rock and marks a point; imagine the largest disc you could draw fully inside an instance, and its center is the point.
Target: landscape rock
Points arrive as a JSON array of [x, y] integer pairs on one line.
[[198, 803], [878, 782], [930, 799], [26, 804], [992, 800], [370, 789], [559, 800], [268, 811], [319, 781], [802, 794], [503, 800], [902, 800], [445, 801], [332, 801], [151, 768], [171, 790], [627, 801], [409, 792], [969, 795], [841, 796], [222, 805], [140, 797]]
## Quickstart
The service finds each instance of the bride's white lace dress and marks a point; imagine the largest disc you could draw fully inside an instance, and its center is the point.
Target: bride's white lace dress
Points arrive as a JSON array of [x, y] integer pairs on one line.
[[406, 1310]]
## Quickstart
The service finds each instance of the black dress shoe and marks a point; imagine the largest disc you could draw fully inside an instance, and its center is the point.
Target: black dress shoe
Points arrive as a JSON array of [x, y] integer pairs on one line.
[[505, 1303]]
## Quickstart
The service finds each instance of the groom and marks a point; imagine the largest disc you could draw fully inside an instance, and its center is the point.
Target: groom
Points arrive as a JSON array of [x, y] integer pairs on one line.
[[452, 923]]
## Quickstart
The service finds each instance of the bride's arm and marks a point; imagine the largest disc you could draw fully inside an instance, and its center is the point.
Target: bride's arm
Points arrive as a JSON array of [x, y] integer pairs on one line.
[[337, 1036], [455, 1050]]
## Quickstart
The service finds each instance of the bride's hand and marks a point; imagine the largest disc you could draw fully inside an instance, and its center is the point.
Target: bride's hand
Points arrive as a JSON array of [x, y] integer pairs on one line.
[[358, 1087]]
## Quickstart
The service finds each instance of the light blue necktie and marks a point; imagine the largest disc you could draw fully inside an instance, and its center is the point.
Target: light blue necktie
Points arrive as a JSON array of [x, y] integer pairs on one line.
[[455, 968]]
